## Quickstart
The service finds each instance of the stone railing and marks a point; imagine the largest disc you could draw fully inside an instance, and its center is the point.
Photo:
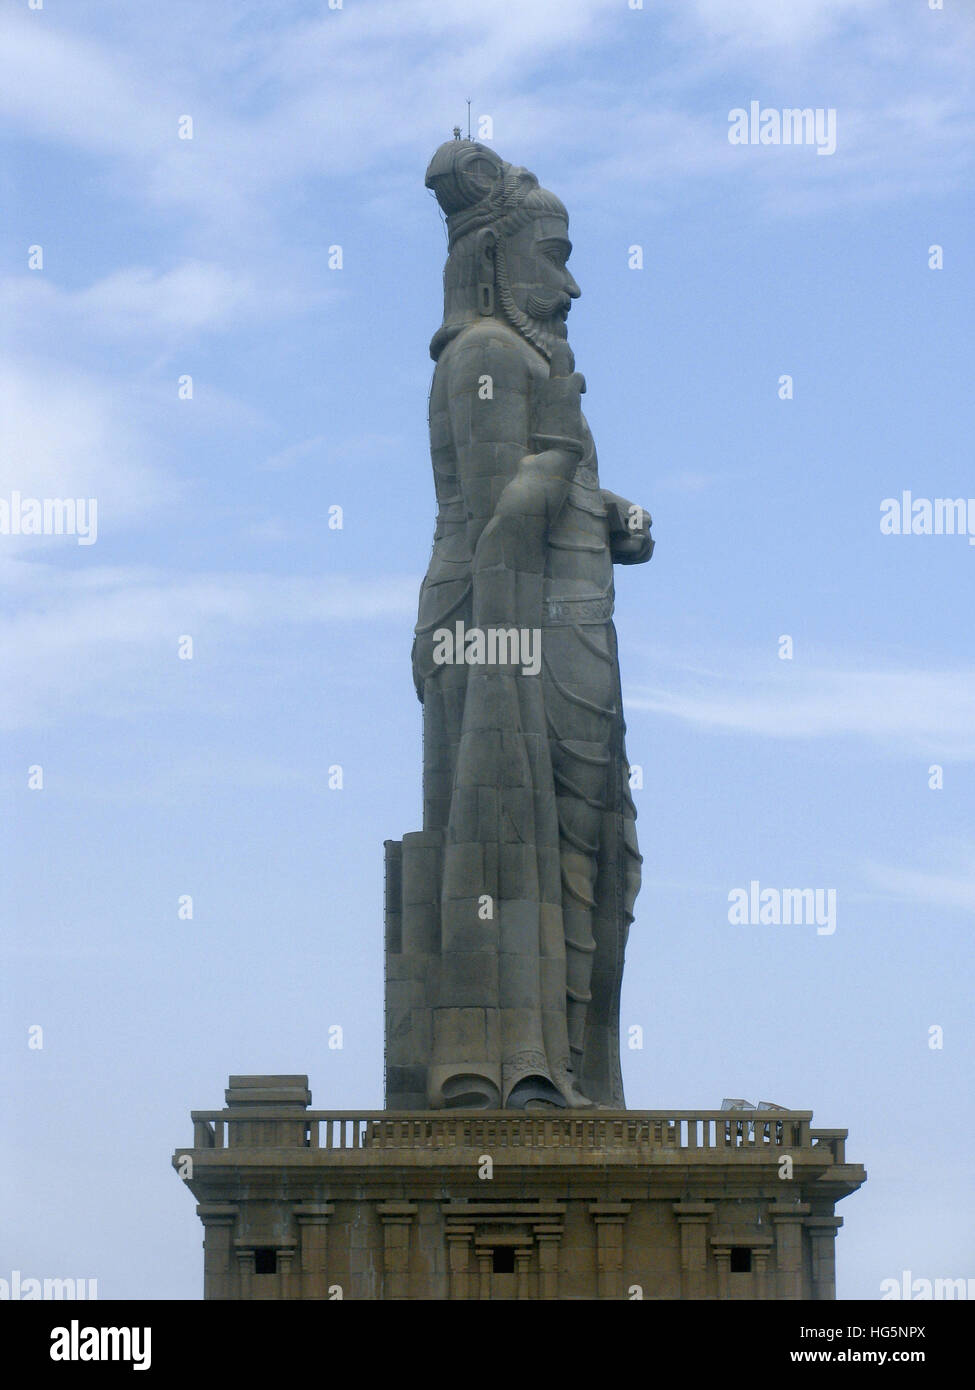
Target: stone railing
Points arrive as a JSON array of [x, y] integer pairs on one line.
[[344, 1131]]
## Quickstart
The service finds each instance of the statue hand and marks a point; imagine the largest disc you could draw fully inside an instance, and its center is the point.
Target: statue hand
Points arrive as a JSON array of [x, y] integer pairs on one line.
[[562, 363], [557, 402], [629, 530]]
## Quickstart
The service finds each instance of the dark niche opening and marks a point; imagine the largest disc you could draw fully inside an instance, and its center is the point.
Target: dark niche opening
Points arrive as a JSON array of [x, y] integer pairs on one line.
[[741, 1259], [265, 1260], [503, 1259]]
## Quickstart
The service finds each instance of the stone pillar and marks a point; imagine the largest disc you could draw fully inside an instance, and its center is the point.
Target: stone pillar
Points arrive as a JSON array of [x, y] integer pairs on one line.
[[822, 1233], [548, 1238], [289, 1280], [484, 1259], [245, 1270], [312, 1219], [693, 1218], [787, 1224], [722, 1258], [459, 1260], [760, 1274], [397, 1217], [413, 876], [609, 1218], [218, 1220], [523, 1257]]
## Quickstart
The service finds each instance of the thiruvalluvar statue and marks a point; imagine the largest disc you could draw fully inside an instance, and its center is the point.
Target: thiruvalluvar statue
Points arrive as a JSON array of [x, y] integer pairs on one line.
[[525, 773]]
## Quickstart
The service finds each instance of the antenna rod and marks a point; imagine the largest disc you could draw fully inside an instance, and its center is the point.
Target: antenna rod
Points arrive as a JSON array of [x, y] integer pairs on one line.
[[468, 118]]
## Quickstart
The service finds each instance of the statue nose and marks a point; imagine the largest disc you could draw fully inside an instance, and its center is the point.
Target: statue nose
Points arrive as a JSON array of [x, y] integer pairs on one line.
[[572, 289]]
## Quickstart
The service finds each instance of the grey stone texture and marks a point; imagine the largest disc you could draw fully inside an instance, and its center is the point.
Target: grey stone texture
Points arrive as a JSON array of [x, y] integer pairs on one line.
[[505, 1165], [507, 916], [456, 1205]]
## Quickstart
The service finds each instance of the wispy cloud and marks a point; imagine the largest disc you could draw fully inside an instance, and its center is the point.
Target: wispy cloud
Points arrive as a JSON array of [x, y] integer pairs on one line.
[[159, 306], [908, 712], [772, 24], [944, 889], [292, 91], [67, 433], [99, 640]]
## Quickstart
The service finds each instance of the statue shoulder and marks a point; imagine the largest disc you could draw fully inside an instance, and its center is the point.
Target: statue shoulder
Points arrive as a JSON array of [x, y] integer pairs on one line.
[[490, 348]]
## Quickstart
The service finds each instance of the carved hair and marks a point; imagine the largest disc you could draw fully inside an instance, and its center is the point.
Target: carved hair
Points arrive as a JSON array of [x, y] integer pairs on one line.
[[478, 189]]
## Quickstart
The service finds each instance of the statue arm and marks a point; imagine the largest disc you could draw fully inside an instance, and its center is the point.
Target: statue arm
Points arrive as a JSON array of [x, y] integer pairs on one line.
[[629, 530], [489, 395], [512, 494]]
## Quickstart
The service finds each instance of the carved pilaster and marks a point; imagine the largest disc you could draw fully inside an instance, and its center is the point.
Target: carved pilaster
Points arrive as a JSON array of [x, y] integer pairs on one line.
[[219, 1276], [522, 1271], [484, 1258], [312, 1219], [722, 1259], [245, 1270], [548, 1238], [693, 1219], [288, 1276], [787, 1224], [609, 1218], [822, 1234], [397, 1218], [760, 1272], [459, 1260]]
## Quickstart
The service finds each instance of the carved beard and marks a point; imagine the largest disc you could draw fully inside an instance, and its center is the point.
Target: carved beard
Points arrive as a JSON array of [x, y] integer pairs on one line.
[[543, 303]]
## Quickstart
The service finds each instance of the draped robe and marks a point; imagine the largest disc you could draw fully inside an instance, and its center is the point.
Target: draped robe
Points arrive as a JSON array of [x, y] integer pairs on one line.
[[525, 776]]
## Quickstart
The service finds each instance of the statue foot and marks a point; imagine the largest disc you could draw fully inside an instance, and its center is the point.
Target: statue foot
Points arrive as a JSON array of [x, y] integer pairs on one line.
[[577, 1101], [470, 1093], [573, 1098], [535, 1093]]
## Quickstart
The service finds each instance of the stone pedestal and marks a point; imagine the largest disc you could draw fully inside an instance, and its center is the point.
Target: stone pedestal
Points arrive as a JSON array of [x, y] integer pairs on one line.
[[306, 1204]]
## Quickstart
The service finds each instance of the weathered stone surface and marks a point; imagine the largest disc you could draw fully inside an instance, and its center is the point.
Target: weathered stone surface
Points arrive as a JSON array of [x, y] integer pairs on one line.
[[507, 915], [526, 791], [599, 1205]]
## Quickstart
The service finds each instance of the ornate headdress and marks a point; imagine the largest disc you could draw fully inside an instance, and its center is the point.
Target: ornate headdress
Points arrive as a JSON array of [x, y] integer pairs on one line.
[[476, 188]]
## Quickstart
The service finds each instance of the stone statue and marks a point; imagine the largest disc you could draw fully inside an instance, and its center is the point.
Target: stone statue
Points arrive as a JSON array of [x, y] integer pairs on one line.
[[505, 938]]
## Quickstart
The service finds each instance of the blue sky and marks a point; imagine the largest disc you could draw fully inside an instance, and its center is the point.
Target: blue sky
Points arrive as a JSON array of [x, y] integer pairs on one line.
[[164, 257]]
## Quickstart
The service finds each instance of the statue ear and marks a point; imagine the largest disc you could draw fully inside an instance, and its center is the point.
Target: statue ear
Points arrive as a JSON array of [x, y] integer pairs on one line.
[[484, 249]]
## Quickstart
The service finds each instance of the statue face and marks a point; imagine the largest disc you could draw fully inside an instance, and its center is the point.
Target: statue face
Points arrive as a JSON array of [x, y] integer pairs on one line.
[[541, 284]]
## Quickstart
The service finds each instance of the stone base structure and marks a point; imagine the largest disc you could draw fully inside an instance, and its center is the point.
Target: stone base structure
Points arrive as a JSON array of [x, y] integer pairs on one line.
[[312, 1204]]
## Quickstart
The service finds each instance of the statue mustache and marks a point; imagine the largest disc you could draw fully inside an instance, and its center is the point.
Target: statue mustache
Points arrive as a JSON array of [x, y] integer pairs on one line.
[[545, 304]]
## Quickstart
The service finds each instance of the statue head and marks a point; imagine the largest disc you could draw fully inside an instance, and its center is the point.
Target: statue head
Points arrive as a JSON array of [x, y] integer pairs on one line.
[[508, 246]]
